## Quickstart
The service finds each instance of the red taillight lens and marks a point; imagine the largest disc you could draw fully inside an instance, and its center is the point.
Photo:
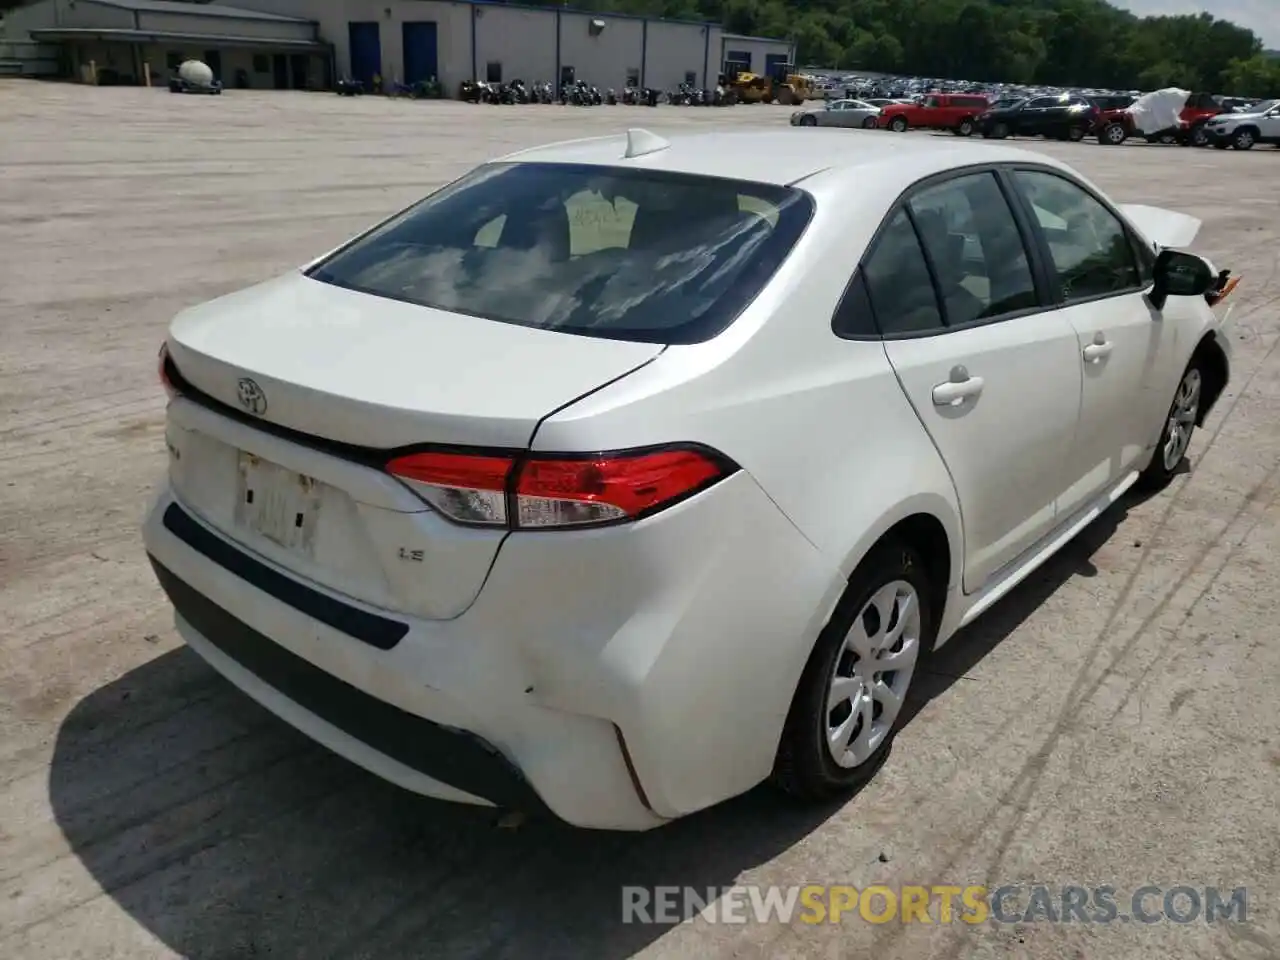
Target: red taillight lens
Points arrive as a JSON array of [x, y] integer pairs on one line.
[[163, 364], [464, 487], [571, 492], [557, 492]]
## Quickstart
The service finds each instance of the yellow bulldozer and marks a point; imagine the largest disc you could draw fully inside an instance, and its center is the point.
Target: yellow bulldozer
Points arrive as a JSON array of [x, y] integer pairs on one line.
[[796, 88], [752, 87]]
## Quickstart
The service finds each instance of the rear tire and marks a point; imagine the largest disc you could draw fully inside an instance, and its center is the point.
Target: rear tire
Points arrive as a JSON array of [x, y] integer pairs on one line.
[[887, 612], [1179, 424]]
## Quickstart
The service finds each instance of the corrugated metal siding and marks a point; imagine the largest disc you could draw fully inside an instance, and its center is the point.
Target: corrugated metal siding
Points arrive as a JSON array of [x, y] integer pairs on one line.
[[672, 50], [87, 14], [22, 20], [224, 26], [760, 50], [523, 41], [601, 60]]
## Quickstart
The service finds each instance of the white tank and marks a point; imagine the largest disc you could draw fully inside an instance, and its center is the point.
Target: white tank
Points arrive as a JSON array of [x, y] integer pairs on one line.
[[196, 73]]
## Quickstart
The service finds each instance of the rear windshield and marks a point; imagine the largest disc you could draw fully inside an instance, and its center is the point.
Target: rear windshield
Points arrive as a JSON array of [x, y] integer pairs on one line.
[[601, 251]]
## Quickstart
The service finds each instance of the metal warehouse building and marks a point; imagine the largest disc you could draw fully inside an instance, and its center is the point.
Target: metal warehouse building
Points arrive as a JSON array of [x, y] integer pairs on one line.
[[309, 43]]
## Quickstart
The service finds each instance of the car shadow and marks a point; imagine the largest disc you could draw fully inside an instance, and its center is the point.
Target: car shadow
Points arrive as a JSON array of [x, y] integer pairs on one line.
[[225, 833], [967, 648]]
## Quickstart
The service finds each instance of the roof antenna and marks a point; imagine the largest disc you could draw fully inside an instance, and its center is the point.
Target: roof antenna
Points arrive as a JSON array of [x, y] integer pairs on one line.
[[641, 142]]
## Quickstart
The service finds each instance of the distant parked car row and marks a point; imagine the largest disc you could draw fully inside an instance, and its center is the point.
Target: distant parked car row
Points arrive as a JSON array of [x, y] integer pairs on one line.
[[1169, 116]]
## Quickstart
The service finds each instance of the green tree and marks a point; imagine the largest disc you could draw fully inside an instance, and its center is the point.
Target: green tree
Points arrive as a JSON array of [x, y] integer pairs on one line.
[[1257, 76]]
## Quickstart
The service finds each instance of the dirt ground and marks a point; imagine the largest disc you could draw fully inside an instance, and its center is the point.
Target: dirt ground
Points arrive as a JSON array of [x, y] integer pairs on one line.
[[1114, 722]]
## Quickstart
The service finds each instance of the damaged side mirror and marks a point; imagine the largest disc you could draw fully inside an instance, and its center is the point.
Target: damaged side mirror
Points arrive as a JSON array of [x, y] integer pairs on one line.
[[1179, 274]]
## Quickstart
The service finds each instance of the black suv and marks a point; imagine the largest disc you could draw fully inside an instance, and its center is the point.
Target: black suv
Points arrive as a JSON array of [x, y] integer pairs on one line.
[[1063, 116]]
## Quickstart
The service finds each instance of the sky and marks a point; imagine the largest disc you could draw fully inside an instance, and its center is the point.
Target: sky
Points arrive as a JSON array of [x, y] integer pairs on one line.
[[1258, 15]]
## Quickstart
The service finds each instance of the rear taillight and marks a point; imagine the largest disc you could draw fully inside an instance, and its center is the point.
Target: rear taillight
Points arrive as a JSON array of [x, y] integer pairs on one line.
[[163, 370], [464, 487], [535, 492]]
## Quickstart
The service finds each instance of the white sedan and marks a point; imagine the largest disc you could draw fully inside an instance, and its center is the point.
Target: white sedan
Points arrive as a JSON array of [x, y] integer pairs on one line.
[[838, 113], [621, 475]]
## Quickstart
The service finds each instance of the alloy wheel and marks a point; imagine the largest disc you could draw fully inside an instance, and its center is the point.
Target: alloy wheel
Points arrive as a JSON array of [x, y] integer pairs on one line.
[[872, 673], [1182, 419]]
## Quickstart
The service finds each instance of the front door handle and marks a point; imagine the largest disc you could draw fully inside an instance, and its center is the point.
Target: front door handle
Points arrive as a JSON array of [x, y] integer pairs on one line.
[[958, 389], [1098, 351]]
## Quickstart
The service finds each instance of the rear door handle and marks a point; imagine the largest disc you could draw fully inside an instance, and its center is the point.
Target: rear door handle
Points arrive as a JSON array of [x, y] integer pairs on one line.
[[1098, 351], [958, 389]]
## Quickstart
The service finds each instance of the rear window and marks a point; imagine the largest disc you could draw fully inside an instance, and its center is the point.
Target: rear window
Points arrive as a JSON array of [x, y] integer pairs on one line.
[[600, 251]]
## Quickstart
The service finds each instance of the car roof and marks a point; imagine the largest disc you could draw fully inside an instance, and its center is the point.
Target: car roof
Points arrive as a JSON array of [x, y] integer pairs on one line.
[[783, 156]]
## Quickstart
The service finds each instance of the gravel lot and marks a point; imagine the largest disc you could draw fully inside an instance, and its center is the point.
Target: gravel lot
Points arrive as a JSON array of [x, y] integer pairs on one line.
[[1114, 722]]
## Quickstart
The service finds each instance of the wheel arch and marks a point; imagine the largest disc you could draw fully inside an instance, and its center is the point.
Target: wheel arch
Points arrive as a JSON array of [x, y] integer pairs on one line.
[[1217, 371], [929, 523]]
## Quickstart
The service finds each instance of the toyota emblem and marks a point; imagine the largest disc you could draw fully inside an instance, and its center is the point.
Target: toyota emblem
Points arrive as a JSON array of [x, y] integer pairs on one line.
[[251, 396]]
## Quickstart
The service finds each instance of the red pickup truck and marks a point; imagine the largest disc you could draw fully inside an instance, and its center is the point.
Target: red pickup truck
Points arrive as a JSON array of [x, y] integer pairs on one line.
[[938, 111]]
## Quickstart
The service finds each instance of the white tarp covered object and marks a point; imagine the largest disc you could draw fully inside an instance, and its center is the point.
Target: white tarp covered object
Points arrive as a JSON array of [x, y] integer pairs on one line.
[[1159, 110], [196, 72]]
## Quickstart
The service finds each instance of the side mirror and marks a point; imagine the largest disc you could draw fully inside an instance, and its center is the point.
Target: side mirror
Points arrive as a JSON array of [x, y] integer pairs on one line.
[[1179, 274]]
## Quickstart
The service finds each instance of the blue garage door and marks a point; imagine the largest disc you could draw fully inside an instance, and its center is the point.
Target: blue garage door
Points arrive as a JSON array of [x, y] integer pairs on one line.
[[776, 66], [366, 50], [419, 50]]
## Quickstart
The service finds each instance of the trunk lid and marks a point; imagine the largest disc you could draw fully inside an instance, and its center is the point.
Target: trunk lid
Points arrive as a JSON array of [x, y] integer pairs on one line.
[[350, 375], [375, 372]]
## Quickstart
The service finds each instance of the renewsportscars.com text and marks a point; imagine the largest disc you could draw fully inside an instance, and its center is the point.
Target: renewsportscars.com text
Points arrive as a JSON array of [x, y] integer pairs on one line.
[[939, 903]]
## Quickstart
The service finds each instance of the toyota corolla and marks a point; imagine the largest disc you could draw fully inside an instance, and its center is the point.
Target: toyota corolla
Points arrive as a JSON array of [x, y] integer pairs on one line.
[[621, 475]]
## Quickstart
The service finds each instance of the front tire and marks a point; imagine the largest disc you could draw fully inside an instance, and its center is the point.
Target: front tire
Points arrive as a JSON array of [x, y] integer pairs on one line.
[[1179, 424], [849, 702]]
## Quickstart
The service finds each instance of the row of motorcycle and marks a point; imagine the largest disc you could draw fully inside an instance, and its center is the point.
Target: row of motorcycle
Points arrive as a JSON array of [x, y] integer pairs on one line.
[[582, 94]]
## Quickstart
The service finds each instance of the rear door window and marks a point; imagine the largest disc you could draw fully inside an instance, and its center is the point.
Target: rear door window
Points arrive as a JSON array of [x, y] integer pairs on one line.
[[592, 250], [898, 281], [977, 253]]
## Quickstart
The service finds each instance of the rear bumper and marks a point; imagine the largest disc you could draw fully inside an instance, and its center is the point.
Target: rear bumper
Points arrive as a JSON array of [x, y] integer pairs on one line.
[[472, 769], [617, 678]]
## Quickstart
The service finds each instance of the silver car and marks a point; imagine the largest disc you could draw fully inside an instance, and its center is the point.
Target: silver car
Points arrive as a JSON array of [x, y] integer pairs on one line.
[[837, 113]]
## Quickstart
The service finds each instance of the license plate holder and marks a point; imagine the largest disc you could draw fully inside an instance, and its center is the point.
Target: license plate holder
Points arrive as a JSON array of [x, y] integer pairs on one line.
[[277, 504]]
